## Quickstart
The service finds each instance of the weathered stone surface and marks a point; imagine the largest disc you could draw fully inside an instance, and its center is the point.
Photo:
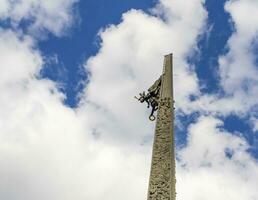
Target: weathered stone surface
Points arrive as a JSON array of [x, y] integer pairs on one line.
[[162, 177]]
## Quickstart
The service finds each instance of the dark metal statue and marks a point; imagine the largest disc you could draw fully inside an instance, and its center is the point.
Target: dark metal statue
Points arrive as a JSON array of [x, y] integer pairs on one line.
[[151, 98]]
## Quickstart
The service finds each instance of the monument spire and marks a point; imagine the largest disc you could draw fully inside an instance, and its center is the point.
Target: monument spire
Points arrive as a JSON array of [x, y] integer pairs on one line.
[[160, 97]]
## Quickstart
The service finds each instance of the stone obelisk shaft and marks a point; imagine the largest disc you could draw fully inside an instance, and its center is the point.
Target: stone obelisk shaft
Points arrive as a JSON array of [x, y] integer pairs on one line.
[[162, 177]]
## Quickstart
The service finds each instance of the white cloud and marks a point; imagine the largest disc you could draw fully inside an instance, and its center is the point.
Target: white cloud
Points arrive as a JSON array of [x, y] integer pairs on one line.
[[206, 166], [254, 124], [215, 165], [51, 15], [47, 150], [238, 68], [3, 8]]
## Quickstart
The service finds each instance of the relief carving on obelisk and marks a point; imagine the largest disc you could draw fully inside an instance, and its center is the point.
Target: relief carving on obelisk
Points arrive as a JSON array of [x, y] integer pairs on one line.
[[161, 177]]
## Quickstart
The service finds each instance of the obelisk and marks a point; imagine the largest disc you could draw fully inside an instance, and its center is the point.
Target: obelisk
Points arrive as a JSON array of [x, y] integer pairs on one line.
[[162, 176]]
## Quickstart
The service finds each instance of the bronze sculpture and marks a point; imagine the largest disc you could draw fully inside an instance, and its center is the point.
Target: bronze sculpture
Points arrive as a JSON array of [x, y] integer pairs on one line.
[[151, 98]]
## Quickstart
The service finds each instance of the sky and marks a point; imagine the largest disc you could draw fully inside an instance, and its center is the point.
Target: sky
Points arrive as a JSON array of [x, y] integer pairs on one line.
[[69, 125]]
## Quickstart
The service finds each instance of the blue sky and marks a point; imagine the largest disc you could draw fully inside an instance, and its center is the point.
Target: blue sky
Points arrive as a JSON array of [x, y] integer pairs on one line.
[[70, 70]]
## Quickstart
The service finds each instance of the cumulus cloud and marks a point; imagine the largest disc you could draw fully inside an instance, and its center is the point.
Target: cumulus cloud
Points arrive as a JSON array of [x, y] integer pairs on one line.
[[238, 67], [215, 164], [42, 15], [47, 150], [101, 150]]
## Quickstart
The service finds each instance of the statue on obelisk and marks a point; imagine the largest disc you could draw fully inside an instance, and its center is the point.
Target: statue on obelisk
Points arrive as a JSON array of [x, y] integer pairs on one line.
[[160, 97]]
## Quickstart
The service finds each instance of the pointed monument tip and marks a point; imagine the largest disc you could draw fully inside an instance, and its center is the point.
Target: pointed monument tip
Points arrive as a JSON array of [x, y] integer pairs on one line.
[[170, 54]]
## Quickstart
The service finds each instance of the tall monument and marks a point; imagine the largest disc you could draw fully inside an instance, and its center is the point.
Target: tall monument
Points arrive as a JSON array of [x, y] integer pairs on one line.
[[160, 97]]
